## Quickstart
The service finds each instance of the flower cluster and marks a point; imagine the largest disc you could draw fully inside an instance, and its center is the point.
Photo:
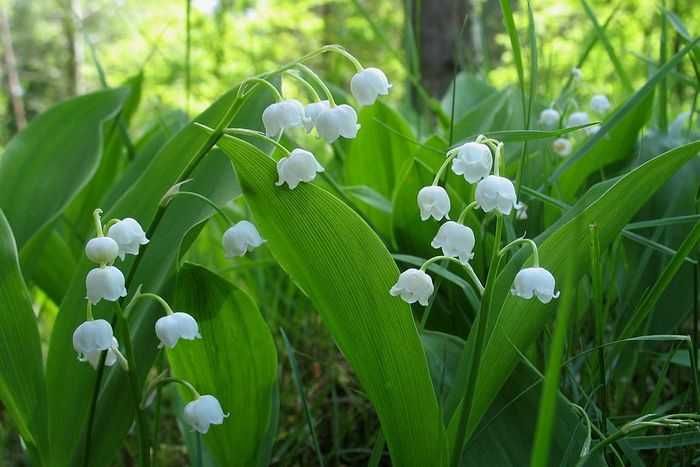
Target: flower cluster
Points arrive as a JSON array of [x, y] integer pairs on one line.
[[106, 282], [474, 161], [330, 121], [551, 118]]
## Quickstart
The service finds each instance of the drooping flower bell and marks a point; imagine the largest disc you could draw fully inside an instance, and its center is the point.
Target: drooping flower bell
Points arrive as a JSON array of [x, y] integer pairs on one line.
[[203, 412], [496, 192], [92, 336], [521, 211], [105, 283], [337, 121], [577, 119], [129, 236], [473, 161], [93, 358], [281, 116], [600, 103], [311, 113], [102, 250], [368, 84], [413, 286], [549, 118], [534, 281], [562, 146], [299, 166], [433, 201], [240, 239], [455, 240], [172, 327]]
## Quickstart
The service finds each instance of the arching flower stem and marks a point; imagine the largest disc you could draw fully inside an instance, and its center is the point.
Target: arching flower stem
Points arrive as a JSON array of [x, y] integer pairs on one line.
[[463, 214], [451, 154], [257, 134], [88, 311], [96, 214], [140, 295], [533, 245], [318, 81], [201, 197], [305, 84], [470, 271], [162, 381], [264, 82]]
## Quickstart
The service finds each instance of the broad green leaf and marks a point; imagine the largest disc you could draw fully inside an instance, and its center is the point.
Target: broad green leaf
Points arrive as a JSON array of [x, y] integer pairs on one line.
[[505, 436], [61, 148], [376, 157], [235, 360], [22, 385], [563, 247], [346, 271], [186, 155]]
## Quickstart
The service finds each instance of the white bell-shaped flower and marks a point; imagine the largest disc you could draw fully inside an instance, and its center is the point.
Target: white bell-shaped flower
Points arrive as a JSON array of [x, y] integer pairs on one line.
[[562, 146], [334, 122], [170, 328], [299, 166], [102, 250], [577, 119], [281, 116], [549, 118], [105, 283], [537, 282], [110, 359], [521, 211], [473, 161], [433, 201], [368, 84], [576, 74], [455, 240], [600, 103], [413, 286], [92, 336], [203, 412], [311, 113], [129, 236], [496, 192], [240, 239]]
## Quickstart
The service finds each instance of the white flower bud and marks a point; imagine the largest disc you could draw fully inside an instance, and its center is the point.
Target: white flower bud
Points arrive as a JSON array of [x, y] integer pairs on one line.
[[531, 282], [102, 250], [600, 103], [456, 240], [171, 328], [281, 116], [92, 336], [110, 359], [562, 146], [105, 283], [366, 85], [204, 411], [433, 201], [473, 161], [413, 286], [577, 119], [549, 118], [311, 113], [129, 236], [337, 121], [496, 192], [241, 238], [299, 166]]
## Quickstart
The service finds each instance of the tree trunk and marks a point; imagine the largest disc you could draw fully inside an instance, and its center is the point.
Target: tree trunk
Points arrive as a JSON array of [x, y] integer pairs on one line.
[[13, 84]]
